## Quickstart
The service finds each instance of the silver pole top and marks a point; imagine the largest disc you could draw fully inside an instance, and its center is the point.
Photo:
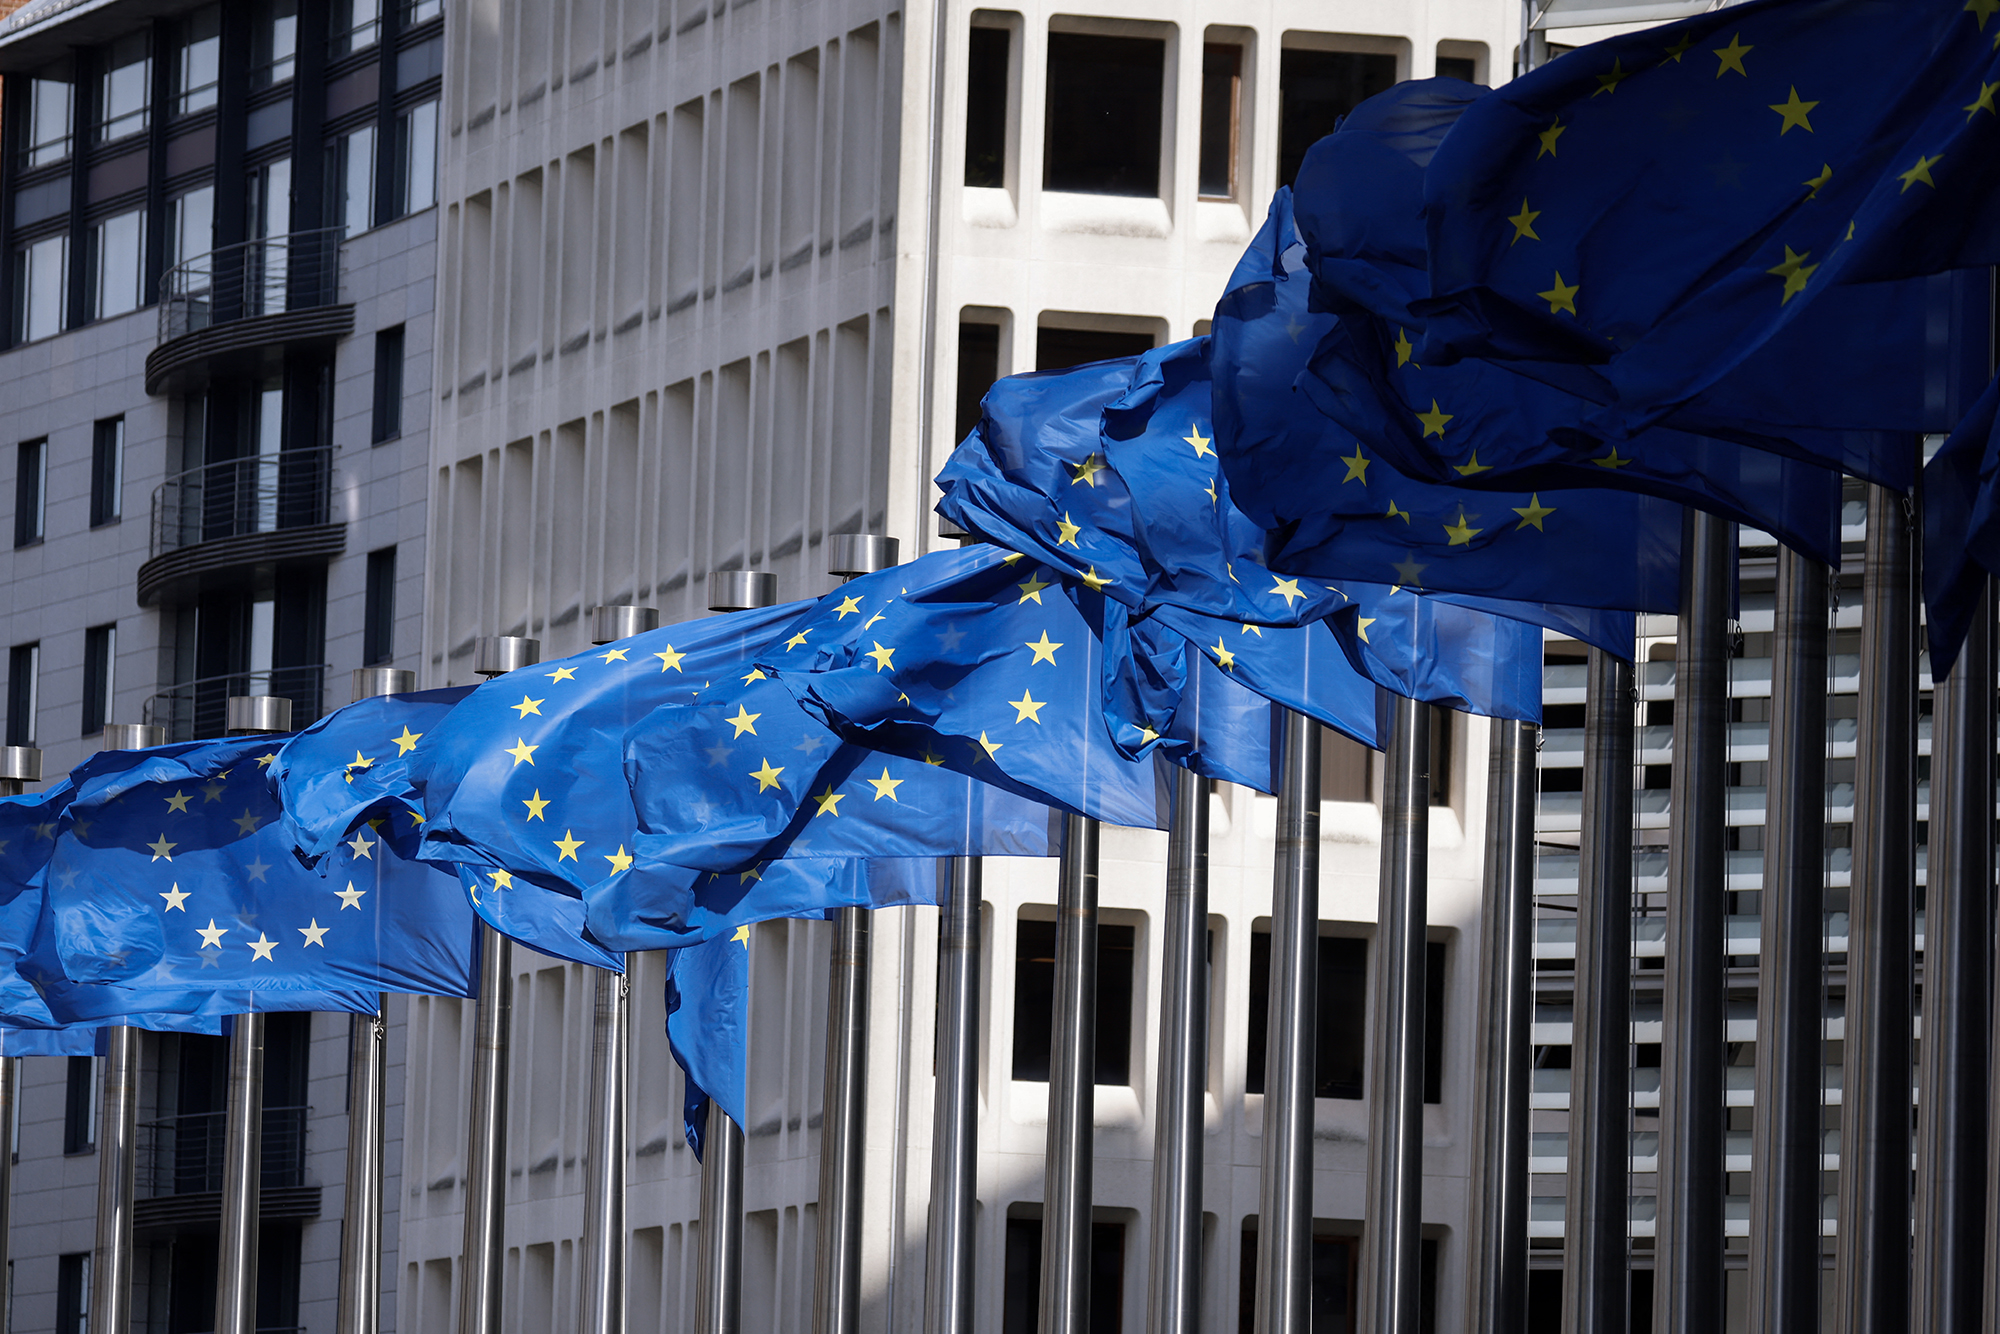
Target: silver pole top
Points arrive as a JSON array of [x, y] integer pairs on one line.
[[251, 715], [20, 764], [741, 590], [375, 682], [610, 623], [496, 655], [132, 736], [849, 555]]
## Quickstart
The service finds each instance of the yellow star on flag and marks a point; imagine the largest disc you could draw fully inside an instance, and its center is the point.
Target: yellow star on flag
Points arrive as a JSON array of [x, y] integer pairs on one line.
[[261, 948], [767, 777], [885, 786], [1395, 513], [1202, 448], [1611, 460], [1549, 137], [1086, 472], [1361, 626], [1404, 347], [161, 848], [523, 709], [407, 742], [1920, 172], [567, 845], [1561, 297], [756, 674], [1288, 589], [1249, 629], [535, 804], [176, 898], [1533, 514], [1210, 489], [991, 748], [1608, 83], [849, 606], [742, 936], [829, 802], [1472, 467], [361, 761], [1795, 271], [179, 802], [1357, 467], [1045, 650], [1982, 10], [263, 761], [1524, 227], [521, 751], [1066, 531], [796, 640], [613, 655], [563, 674], [1461, 533], [211, 937], [1794, 112], [314, 934], [1223, 657], [883, 656], [1434, 421], [621, 861], [1032, 590], [1984, 102], [1028, 709], [670, 661], [1094, 581], [350, 897], [744, 721], [1732, 57], [1680, 48], [1147, 736], [1825, 175], [364, 850]]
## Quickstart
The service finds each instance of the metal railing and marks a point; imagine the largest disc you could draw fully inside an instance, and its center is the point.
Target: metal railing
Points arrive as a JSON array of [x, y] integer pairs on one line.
[[195, 710], [263, 277], [259, 493], [182, 1155]]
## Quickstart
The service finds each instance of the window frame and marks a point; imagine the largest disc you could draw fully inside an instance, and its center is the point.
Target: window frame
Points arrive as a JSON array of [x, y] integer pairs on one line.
[[1233, 148], [386, 413], [24, 689], [100, 677], [107, 471], [378, 620], [109, 126], [97, 248], [31, 492], [29, 255], [34, 147]]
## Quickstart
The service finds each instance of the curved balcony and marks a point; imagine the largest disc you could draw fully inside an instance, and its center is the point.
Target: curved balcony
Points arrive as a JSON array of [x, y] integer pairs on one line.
[[196, 710], [240, 308], [213, 524]]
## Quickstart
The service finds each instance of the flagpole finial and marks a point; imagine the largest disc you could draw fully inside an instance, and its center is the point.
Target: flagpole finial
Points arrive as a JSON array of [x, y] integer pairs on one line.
[[850, 555], [496, 655], [133, 736], [741, 590], [613, 623], [375, 682], [19, 766], [250, 715]]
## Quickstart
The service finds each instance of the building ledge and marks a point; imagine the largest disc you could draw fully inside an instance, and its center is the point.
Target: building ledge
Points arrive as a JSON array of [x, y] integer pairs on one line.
[[177, 575], [202, 1210], [239, 347]]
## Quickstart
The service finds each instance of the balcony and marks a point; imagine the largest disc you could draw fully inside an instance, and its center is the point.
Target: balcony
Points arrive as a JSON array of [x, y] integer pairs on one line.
[[238, 310], [179, 1176], [195, 710], [210, 524]]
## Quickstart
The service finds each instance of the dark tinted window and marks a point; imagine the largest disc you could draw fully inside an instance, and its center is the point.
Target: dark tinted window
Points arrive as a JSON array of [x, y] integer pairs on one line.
[[100, 651], [978, 368], [1317, 88], [1058, 349], [31, 462], [1103, 126], [1034, 1000], [1221, 101], [378, 629], [107, 470], [388, 422], [986, 107], [1022, 1295], [1458, 67], [79, 1095]]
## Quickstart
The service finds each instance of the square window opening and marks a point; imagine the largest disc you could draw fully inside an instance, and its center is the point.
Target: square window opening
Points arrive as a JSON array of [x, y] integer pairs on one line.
[[1104, 114], [1315, 89], [986, 106]]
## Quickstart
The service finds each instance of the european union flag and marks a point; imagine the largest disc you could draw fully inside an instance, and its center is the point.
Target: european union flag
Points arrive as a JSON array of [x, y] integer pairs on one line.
[[1660, 205], [173, 884], [356, 764], [1961, 527], [28, 827], [549, 921], [708, 1027]]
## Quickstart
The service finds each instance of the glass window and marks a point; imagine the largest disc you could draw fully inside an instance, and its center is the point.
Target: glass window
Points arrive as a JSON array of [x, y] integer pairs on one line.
[[357, 25], [388, 422], [73, 1280], [190, 225], [986, 107], [41, 288], [125, 88], [378, 628], [1034, 1000], [352, 196], [31, 472], [1104, 106], [107, 470], [24, 686], [421, 11], [1221, 102], [100, 661], [79, 1104], [274, 43], [198, 70], [51, 115], [270, 220], [118, 248], [418, 134]]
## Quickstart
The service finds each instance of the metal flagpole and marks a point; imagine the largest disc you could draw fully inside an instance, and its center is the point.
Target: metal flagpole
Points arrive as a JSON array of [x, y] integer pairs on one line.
[[243, 1133], [837, 1278], [482, 1254], [1596, 1211], [1688, 1236], [1066, 1181], [601, 1293], [719, 1293], [359, 1310], [1499, 1240], [1785, 1135], [1872, 1246], [1284, 1208], [1391, 1241], [1952, 1170], [19, 766], [948, 1252], [1174, 1275], [117, 1148]]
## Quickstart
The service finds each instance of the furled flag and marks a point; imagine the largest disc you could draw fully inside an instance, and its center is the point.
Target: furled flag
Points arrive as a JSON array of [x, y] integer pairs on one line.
[[172, 881], [708, 1022], [355, 764], [1961, 528], [28, 827], [1658, 206]]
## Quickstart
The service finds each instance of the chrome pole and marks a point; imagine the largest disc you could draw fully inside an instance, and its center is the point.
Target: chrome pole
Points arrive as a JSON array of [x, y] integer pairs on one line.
[[117, 1166], [1596, 1210], [482, 1257], [1284, 1221], [1499, 1240], [10, 1089], [1952, 1170], [842, 1141], [1174, 1275], [1688, 1237], [243, 1126], [1785, 1135], [1872, 1246], [719, 1290], [1066, 1180], [601, 1301], [948, 1252], [1391, 1242], [359, 1308]]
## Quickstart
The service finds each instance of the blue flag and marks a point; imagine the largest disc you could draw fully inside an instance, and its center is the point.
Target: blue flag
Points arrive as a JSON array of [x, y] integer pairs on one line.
[[172, 881], [355, 764], [1961, 527], [708, 1027], [1659, 206]]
